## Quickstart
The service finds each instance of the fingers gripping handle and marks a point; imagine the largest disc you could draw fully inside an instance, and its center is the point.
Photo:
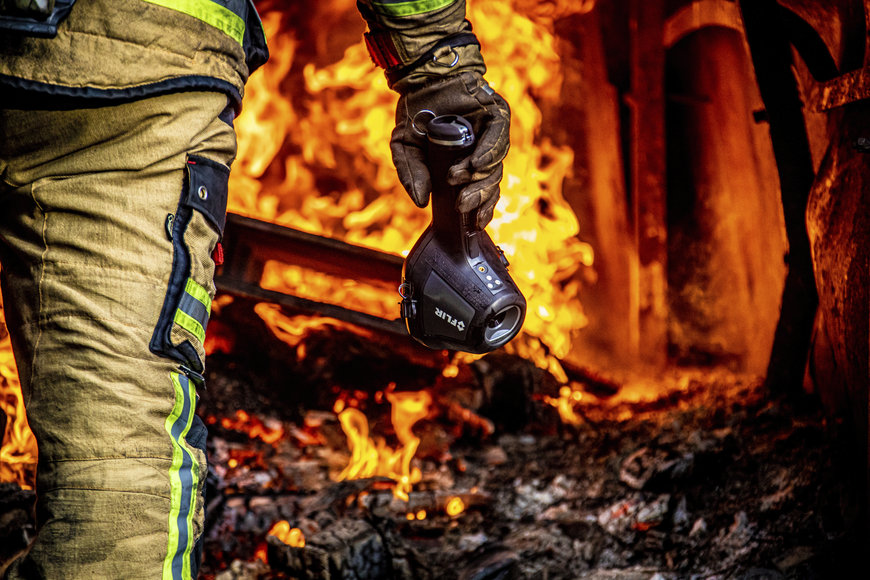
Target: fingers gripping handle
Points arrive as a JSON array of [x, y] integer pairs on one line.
[[451, 139]]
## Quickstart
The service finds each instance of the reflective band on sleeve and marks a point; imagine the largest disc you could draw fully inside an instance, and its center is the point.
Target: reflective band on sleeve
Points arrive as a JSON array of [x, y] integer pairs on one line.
[[209, 12], [184, 481], [409, 8]]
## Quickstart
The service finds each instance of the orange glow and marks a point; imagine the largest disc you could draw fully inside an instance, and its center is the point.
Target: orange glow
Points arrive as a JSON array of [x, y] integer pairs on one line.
[[334, 127], [371, 457], [290, 536], [455, 506], [330, 289], [565, 403], [18, 452], [293, 330], [254, 427]]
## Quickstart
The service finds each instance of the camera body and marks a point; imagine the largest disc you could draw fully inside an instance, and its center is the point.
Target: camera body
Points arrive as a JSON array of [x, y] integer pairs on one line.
[[456, 291]]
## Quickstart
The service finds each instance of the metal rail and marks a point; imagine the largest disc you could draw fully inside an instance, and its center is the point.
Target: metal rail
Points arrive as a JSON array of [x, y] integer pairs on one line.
[[249, 244]]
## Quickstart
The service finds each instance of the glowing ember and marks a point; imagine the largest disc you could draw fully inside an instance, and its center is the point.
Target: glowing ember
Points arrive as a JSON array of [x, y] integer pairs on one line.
[[565, 403], [338, 179], [371, 457], [18, 452], [290, 536], [455, 506], [252, 426]]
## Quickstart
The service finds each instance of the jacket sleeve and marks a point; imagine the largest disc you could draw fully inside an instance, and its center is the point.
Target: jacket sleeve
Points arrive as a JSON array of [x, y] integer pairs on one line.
[[416, 40]]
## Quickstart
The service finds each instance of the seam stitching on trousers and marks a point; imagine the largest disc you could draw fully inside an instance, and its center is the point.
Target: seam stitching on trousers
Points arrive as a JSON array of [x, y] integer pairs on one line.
[[42, 262]]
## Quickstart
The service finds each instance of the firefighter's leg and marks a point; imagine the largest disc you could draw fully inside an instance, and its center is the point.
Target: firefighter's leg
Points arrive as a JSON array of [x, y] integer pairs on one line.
[[108, 219]]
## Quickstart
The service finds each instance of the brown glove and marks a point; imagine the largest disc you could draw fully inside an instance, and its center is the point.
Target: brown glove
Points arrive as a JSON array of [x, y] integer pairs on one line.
[[465, 94], [433, 60]]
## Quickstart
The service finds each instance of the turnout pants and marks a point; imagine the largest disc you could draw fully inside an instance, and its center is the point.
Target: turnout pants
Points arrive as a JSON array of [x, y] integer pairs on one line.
[[108, 221]]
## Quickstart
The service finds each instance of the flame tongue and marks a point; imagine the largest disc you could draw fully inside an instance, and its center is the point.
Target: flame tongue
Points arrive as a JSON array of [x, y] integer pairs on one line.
[[18, 453], [373, 457], [338, 179]]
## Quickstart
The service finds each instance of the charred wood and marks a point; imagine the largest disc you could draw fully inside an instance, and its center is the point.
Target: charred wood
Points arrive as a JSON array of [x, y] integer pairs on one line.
[[648, 187], [771, 57]]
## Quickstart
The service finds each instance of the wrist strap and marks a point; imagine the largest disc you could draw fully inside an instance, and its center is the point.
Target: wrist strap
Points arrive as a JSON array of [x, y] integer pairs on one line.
[[454, 40]]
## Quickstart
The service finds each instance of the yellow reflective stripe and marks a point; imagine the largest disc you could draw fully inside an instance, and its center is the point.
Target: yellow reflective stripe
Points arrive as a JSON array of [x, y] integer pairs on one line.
[[209, 12], [199, 292], [190, 324], [411, 8], [184, 481]]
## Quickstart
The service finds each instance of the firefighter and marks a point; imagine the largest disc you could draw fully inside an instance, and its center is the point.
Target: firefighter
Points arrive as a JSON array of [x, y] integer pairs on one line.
[[116, 141]]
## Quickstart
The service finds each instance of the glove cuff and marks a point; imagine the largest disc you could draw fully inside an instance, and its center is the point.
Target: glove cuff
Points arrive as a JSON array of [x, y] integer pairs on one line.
[[414, 41]]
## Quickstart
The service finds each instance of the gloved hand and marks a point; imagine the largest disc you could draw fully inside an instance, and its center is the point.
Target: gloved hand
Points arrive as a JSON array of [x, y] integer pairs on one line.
[[469, 95], [433, 60]]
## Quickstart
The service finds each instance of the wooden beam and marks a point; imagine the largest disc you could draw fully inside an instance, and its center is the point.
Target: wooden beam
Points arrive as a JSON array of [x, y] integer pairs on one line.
[[648, 187], [771, 56]]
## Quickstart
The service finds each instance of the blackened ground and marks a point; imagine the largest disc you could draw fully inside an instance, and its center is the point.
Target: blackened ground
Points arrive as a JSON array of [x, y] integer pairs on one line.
[[708, 479]]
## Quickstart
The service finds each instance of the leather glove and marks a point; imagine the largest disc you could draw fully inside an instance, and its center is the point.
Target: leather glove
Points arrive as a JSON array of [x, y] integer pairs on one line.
[[433, 60], [469, 95]]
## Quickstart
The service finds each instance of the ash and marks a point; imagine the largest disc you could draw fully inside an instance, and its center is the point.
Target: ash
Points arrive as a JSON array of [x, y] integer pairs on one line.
[[710, 478]]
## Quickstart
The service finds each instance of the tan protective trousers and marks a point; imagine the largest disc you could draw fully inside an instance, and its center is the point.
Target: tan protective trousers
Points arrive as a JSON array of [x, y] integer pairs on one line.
[[108, 220]]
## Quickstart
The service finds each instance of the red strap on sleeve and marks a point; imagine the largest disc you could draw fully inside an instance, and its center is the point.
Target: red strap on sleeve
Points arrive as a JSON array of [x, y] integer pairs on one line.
[[218, 254], [382, 49]]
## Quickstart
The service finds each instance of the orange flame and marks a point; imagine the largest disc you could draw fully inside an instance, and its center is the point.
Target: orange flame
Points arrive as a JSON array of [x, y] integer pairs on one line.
[[338, 125], [372, 457], [290, 536], [332, 289], [18, 453], [565, 403], [251, 425], [293, 330], [455, 506]]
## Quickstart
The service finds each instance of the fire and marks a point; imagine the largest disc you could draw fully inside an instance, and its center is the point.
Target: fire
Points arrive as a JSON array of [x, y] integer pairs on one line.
[[565, 403], [454, 507], [294, 329], [371, 457], [325, 288], [290, 536], [251, 425], [338, 179], [18, 452]]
